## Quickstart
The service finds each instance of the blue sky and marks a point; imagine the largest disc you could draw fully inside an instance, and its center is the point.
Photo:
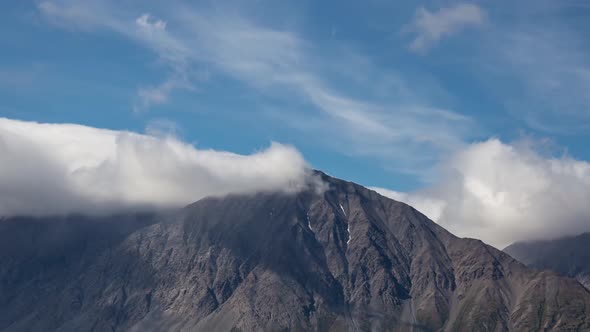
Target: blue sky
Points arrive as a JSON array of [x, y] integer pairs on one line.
[[378, 92]]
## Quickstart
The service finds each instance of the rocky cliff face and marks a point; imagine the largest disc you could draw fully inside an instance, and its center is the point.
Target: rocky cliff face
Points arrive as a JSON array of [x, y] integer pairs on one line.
[[569, 256], [345, 259]]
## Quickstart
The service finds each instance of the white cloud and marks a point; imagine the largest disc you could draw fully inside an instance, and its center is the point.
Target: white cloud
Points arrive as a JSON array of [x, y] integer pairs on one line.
[[64, 168], [490, 190], [430, 27], [163, 127], [159, 94], [431, 207], [503, 193], [146, 21]]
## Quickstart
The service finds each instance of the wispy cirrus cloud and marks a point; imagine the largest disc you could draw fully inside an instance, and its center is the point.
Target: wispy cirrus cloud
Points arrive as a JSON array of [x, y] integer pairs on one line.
[[146, 21], [159, 94], [143, 28], [429, 27], [531, 59], [277, 62], [553, 73]]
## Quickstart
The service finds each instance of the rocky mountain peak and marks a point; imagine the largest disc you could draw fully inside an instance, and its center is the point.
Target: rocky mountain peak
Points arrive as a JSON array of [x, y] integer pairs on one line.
[[342, 258]]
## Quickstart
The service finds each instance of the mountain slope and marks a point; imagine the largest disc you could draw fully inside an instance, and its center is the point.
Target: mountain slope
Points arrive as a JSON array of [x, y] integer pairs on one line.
[[342, 259], [569, 256]]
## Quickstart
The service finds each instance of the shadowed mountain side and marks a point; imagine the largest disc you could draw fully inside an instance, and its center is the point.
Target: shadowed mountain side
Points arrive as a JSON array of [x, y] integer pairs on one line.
[[569, 256], [343, 259]]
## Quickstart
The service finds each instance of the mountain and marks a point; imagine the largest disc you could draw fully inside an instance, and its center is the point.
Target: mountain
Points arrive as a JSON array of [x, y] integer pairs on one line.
[[569, 256], [341, 259]]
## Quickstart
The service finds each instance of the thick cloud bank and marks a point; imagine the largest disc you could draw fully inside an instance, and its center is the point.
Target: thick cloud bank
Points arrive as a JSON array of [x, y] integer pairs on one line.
[[64, 168], [504, 193]]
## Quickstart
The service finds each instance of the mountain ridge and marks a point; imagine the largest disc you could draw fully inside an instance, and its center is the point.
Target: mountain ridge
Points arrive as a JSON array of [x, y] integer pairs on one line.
[[345, 258], [569, 256]]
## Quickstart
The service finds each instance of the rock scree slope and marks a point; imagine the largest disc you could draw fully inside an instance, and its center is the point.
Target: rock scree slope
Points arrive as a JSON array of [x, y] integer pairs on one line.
[[342, 259]]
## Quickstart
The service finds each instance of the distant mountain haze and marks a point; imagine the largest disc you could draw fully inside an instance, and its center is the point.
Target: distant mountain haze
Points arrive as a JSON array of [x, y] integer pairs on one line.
[[341, 259], [569, 256]]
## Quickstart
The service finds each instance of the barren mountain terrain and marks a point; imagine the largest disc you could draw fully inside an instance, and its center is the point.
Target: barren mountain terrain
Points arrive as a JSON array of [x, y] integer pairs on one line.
[[342, 259]]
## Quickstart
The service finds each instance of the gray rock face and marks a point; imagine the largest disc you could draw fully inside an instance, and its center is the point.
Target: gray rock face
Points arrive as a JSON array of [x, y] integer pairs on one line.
[[569, 256], [346, 259]]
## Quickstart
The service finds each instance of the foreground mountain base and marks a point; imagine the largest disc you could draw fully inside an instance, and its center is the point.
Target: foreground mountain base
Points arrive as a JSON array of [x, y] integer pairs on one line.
[[342, 259]]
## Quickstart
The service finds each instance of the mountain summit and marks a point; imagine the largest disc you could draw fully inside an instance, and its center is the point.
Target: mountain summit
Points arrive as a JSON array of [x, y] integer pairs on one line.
[[341, 259]]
